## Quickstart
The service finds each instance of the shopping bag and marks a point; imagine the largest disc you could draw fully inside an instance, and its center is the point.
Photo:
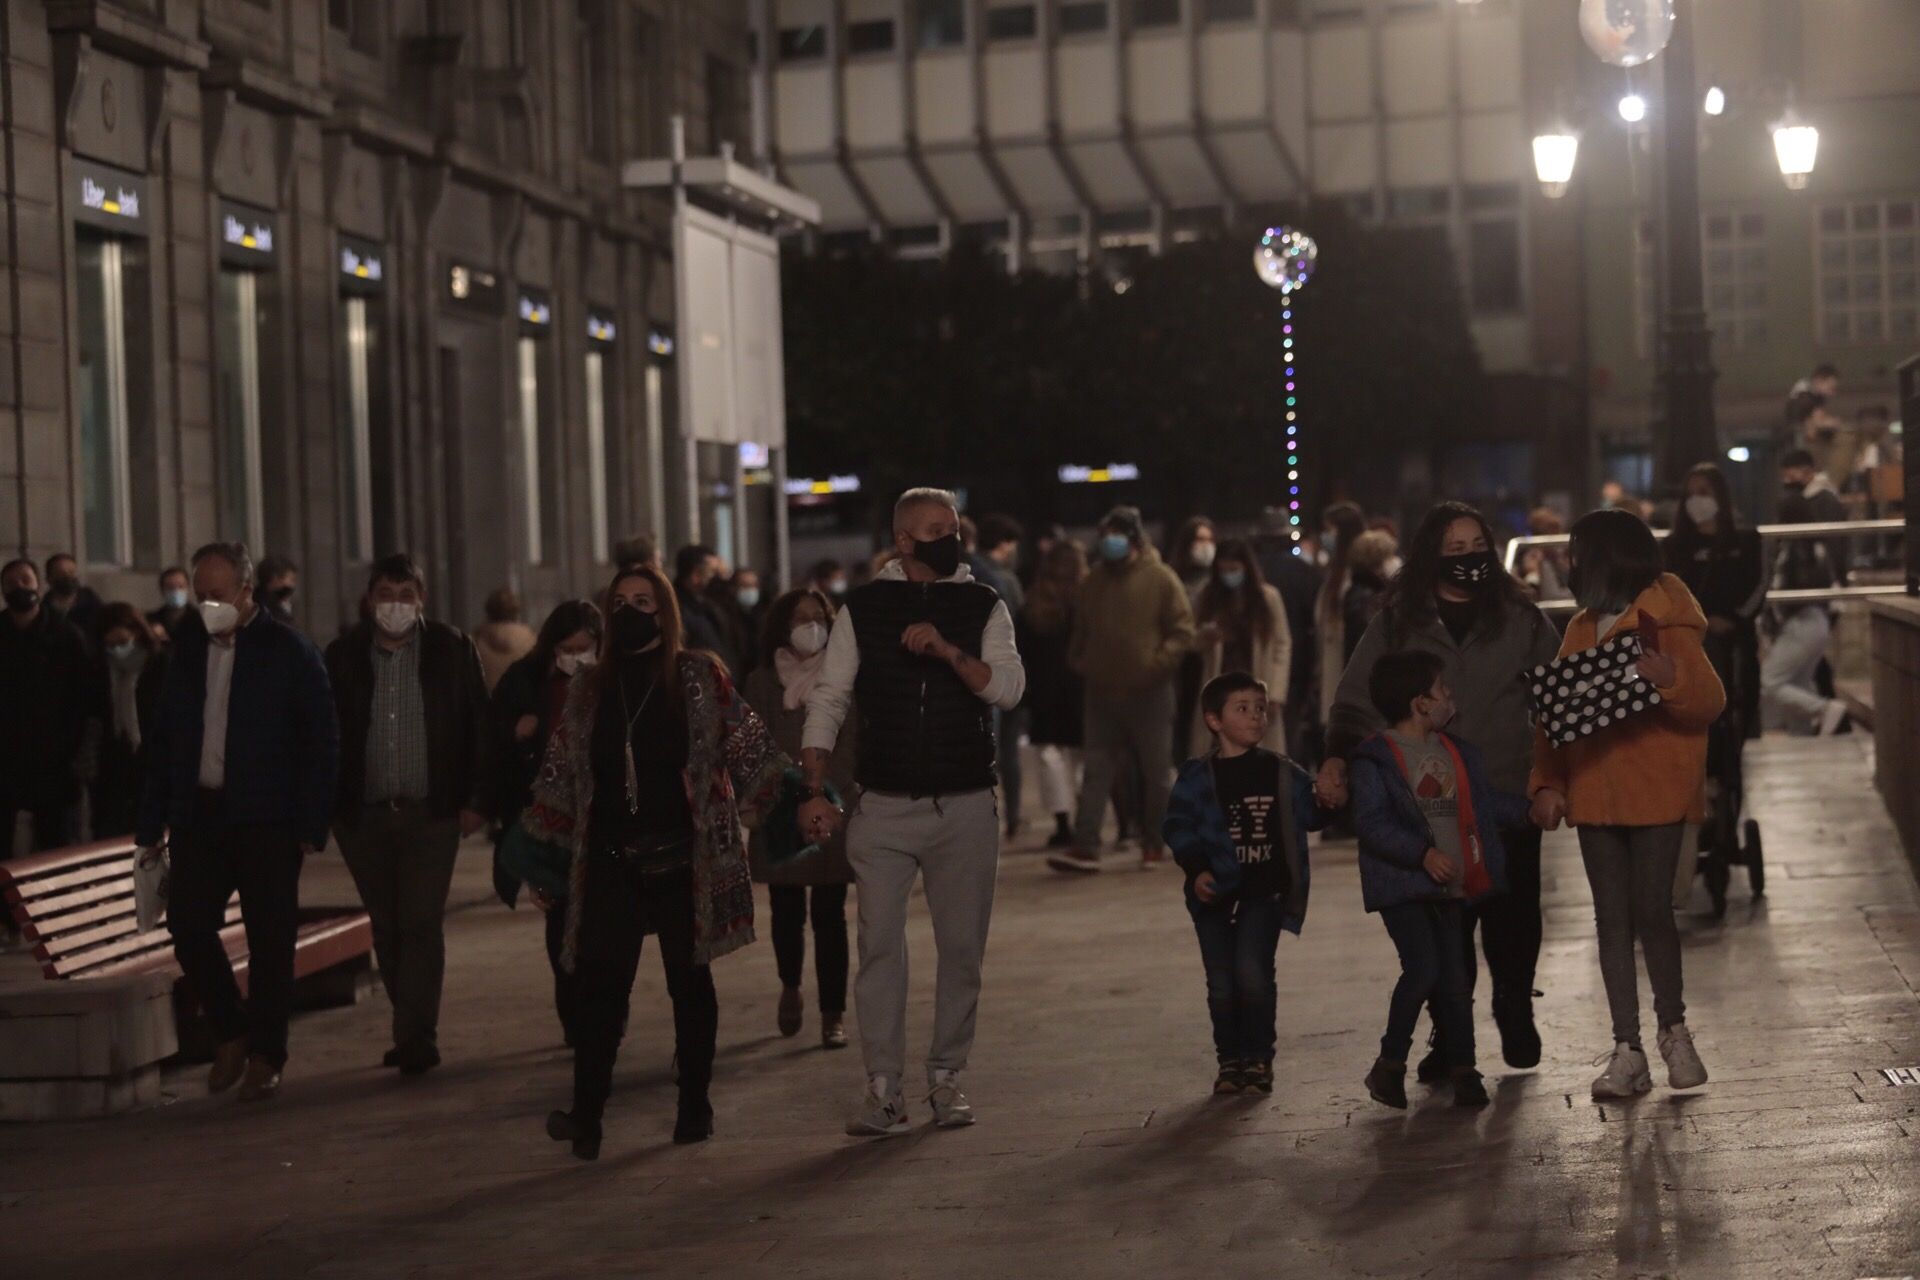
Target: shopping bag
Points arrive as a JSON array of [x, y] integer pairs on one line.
[[152, 869], [1595, 689]]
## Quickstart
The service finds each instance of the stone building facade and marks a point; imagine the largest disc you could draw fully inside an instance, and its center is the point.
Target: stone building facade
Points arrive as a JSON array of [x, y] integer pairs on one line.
[[340, 277]]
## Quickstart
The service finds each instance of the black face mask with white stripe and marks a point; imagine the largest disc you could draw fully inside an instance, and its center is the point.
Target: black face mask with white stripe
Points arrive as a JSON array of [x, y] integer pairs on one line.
[[1471, 571]]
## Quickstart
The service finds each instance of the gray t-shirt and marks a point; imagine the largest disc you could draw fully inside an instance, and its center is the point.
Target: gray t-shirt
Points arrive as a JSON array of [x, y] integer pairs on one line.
[[1437, 792]]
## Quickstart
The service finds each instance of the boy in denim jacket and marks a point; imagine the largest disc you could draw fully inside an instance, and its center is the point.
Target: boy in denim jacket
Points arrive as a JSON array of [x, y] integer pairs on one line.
[[1237, 824]]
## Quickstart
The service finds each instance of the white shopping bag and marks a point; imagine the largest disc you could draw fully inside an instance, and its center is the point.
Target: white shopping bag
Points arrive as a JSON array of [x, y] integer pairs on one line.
[[150, 871]]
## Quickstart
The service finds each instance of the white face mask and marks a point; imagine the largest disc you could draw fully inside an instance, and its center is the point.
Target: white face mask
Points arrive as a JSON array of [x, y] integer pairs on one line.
[[396, 617], [219, 617], [808, 638], [1701, 508], [572, 664], [1202, 554]]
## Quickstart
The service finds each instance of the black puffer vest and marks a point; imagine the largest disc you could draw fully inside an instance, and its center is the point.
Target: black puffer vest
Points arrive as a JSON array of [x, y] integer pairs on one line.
[[922, 731]]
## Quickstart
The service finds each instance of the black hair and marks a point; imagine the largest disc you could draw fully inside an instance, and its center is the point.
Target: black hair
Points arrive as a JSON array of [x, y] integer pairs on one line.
[[1684, 527], [234, 553], [823, 570], [399, 568], [998, 530], [778, 627], [11, 565], [275, 566], [1795, 458], [639, 549], [1213, 698], [1398, 678], [1250, 601], [689, 558], [1410, 602], [1348, 522], [1826, 370], [169, 571], [1180, 550], [57, 557], [568, 618], [1615, 558]]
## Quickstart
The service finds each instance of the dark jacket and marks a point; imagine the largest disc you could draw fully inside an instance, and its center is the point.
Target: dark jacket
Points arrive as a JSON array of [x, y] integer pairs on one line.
[[1395, 837], [1055, 698], [120, 770], [283, 742], [511, 763], [1362, 602], [1728, 577], [454, 692], [704, 628], [43, 707], [1195, 830], [1299, 586], [923, 732]]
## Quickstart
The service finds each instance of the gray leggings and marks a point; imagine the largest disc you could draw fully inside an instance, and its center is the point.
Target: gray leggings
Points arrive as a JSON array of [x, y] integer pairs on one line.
[[1631, 871]]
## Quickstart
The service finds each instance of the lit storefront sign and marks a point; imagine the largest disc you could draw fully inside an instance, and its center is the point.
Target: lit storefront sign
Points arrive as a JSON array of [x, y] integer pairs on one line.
[[363, 266], [110, 198], [753, 456], [660, 343], [536, 311], [600, 327], [246, 235], [473, 287], [832, 486], [1112, 473]]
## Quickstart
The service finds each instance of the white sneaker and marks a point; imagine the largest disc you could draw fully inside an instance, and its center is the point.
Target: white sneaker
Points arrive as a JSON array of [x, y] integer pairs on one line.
[[951, 1110], [1626, 1074], [882, 1114], [1684, 1068]]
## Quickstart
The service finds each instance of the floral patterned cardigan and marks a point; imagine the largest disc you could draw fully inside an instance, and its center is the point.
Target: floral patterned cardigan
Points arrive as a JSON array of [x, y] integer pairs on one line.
[[733, 775]]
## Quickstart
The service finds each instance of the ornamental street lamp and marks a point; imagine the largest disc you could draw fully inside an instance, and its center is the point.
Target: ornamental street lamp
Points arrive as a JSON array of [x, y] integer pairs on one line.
[[1796, 145], [1554, 156]]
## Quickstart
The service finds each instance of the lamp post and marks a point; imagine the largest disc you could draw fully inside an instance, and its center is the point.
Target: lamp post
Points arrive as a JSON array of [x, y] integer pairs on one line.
[[1630, 33]]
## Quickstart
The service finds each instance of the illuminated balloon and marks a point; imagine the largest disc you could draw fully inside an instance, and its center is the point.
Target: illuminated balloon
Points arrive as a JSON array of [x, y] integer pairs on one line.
[[1285, 258], [1626, 33]]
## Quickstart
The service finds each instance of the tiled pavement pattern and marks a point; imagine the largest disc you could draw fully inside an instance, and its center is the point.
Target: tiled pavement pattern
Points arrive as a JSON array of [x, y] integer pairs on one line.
[[1098, 1152]]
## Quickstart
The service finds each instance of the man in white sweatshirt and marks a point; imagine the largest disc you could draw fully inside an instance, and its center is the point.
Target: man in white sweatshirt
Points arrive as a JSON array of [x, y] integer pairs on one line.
[[925, 653]]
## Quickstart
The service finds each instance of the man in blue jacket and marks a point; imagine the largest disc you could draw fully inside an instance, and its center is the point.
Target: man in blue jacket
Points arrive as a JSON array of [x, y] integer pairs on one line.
[[244, 755]]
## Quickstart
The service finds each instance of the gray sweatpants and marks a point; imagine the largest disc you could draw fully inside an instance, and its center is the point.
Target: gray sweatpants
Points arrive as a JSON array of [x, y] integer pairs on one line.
[[1137, 731], [953, 843], [1631, 871]]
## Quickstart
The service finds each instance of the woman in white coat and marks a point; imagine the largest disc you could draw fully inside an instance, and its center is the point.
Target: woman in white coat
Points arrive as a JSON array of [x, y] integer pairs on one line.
[[1242, 627]]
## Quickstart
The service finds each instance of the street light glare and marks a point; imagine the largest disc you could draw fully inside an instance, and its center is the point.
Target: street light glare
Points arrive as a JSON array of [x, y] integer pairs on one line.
[[1716, 103], [1633, 108], [1797, 146], [1554, 155]]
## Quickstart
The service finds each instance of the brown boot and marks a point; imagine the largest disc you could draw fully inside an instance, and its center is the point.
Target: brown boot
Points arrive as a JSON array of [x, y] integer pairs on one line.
[[229, 1064], [262, 1082]]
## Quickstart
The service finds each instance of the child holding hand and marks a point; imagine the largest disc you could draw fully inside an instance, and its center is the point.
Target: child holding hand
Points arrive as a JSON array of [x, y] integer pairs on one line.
[[1429, 826], [1237, 824]]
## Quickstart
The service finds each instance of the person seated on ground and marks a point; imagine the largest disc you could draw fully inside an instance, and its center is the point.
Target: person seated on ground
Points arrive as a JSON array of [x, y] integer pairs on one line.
[[1429, 820], [1237, 824]]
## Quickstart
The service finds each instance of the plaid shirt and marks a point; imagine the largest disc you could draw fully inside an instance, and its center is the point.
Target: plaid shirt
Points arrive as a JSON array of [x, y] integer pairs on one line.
[[397, 727]]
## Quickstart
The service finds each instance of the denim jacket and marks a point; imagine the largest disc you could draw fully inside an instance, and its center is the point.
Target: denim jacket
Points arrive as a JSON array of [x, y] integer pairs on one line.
[[1196, 831], [1395, 837]]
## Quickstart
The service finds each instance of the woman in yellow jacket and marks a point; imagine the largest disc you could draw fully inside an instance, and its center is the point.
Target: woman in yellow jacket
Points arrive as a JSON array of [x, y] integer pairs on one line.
[[1631, 789], [1243, 627]]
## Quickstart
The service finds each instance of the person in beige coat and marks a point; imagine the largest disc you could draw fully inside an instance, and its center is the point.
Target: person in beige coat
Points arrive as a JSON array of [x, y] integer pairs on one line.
[[1243, 627]]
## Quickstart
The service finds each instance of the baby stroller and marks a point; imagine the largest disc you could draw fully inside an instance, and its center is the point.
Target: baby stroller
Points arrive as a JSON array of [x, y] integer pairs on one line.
[[1726, 840]]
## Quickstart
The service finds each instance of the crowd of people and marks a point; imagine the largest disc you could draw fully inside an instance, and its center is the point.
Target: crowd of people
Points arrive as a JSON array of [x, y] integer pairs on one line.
[[648, 755]]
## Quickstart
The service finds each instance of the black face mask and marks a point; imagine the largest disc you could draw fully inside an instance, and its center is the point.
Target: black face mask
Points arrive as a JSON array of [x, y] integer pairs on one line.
[[282, 601], [1470, 572], [634, 632], [942, 555], [64, 586], [22, 599]]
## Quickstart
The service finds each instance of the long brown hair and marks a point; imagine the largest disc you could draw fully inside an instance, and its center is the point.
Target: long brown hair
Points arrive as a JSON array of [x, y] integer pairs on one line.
[[1249, 602], [1348, 522], [1050, 598], [672, 639], [777, 629]]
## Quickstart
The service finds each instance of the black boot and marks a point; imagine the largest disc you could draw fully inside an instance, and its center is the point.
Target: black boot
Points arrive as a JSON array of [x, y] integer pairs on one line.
[[1062, 837], [1387, 1083], [583, 1134], [695, 1123], [1433, 1067], [1519, 1038], [1468, 1090]]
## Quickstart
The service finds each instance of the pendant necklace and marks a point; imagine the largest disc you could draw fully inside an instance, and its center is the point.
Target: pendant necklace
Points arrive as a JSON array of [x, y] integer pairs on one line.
[[633, 718]]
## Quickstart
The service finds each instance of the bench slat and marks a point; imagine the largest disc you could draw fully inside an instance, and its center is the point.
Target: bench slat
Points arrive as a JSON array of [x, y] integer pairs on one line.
[[82, 874], [38, 864], [67, 954], [69, 901]]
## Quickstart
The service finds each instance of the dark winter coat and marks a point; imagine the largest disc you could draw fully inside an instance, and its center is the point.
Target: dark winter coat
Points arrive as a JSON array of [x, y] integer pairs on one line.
[[454, 692], [1394, 834], [1195, 830], [1055, 699], [43, 708]]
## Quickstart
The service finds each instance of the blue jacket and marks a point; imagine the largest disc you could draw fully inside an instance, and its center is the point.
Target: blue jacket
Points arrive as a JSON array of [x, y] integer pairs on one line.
[[1394, 836], [283, 744], [1195, 830]]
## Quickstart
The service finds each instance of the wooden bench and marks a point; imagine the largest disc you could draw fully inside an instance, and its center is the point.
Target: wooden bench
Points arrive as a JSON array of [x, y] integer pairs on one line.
[[75, 906]]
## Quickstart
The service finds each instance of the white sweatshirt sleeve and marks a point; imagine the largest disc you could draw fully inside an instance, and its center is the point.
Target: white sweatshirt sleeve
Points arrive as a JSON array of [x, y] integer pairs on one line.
[[832, 695], [998, 651]]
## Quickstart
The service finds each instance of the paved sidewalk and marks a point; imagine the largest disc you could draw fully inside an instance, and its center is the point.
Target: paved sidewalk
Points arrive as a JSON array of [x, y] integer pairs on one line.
[[1098, 1152]]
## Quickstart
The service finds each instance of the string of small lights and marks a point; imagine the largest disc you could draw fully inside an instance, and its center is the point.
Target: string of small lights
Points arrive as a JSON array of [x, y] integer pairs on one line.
[[1285, 260]]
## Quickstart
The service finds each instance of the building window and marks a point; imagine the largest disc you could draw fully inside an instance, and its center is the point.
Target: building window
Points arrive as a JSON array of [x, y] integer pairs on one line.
[[1013, 22], [941, 24], [1156, 13], [358, 21], [644, 87], [597, 455], [237, 336], [803, 44], [1493, 265], [1868, 256], [873, 36], [356, 422], [539, 467], [1227, 10], [724, 105], [1082, 17], [594, 66], [102, 408], [1735, 270], [1410, 203]]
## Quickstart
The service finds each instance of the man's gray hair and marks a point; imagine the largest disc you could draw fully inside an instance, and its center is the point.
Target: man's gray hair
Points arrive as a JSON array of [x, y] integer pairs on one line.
[[924, 497], [234, 553]]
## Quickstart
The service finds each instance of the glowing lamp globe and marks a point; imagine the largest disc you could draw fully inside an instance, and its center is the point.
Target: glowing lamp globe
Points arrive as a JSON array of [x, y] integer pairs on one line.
[[1284, 258], [1626, 33]]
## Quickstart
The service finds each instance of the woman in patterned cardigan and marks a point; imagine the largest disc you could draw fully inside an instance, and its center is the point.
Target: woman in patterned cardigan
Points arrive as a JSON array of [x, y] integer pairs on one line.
[[653, 767]]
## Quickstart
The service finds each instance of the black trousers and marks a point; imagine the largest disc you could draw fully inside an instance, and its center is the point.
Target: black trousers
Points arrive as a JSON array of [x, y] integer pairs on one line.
[[621, 907], [1509, 924], [829, 914], [566, 999], [210, 861]]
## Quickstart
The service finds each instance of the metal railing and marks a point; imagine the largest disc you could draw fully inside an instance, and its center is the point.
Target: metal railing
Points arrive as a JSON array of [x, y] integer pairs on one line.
[[1768, 533]]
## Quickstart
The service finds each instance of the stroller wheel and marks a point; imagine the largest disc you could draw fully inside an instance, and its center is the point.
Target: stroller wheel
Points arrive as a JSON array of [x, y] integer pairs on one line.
[[1756, 859]]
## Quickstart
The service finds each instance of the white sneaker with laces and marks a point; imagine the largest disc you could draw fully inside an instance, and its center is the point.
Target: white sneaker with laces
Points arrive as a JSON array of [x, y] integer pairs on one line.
[[951, 1110], [882, 1113], [1684, 1068], [1626, 1074]]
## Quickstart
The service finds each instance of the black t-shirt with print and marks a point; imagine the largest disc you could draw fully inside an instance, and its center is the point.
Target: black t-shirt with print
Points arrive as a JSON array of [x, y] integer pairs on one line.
[[1251, 792]]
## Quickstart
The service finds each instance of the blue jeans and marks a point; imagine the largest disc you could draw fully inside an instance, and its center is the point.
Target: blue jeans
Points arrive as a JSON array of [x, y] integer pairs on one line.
[[1431, 939], [1238, 940]]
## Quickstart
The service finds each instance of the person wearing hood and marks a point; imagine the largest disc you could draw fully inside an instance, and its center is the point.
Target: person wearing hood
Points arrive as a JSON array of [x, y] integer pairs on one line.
[[793, 652], [504, 638], [1630, 789], [922, 655], [1132, 627], [412, 707], [43, 674], [128, 673]]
